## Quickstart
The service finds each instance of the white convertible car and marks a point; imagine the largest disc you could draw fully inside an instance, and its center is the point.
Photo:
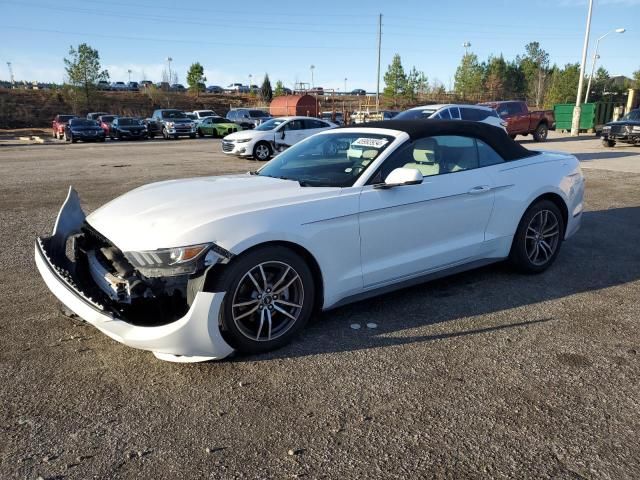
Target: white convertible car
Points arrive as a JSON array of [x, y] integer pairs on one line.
[[194, 269]]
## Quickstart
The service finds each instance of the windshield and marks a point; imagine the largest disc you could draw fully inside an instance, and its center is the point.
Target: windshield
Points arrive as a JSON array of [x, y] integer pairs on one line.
[[219, 120], [270, 125], [257, 114], [65, 118], [78, 122], [206, 113], [107, 118], [632, 115], [173, 114], [333, 160], [414, 114], [129, 121]]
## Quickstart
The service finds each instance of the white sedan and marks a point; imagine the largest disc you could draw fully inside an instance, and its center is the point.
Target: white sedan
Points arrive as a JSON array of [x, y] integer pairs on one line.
[[472, 113], [264, 140], [195, 269]]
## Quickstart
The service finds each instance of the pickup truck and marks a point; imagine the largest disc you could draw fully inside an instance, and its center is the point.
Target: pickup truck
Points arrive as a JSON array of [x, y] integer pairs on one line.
[[171, 123], [521, 121]]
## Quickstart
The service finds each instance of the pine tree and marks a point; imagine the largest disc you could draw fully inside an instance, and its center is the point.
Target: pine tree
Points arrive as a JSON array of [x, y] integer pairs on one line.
[[265, 90], [395, 80], [196, 78], [468, 78]]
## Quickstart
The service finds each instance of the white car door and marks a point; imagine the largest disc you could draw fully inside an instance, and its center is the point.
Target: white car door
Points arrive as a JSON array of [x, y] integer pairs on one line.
[[293, 132], [415, 229]]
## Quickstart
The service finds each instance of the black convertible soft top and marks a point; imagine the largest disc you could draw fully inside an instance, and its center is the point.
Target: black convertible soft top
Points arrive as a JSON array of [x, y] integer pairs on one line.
[[492, 136]]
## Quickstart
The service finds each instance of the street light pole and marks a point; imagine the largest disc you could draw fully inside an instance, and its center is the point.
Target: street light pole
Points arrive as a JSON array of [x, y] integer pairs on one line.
[[345, 85], [312, 68], [595, 58], [129, 72], [169, 60], [577, 110]]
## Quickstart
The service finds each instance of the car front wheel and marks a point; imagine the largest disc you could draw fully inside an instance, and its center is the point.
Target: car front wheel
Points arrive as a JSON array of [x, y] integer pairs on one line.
[[538, 238], [269, 298], [608, 143], [262, 151]]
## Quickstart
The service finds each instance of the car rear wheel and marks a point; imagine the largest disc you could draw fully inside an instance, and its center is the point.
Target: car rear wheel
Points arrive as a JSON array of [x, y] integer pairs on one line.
[[262, 151], [538, 238], [269, 298], [608, 143], [541, 132]]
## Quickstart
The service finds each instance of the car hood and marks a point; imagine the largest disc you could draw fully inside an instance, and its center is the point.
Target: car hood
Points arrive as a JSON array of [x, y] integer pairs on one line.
[[251, 134], [624, 122], [173, 213]]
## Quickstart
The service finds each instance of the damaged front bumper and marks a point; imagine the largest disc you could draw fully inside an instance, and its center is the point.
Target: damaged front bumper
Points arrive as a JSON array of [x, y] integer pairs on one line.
[[193, 337]]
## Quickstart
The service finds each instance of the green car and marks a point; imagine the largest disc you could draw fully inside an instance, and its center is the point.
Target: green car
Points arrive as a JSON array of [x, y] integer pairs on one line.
[[217, 127]]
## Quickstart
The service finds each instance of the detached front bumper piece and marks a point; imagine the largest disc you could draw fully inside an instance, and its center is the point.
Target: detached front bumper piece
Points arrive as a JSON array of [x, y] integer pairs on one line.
[[195, 337]]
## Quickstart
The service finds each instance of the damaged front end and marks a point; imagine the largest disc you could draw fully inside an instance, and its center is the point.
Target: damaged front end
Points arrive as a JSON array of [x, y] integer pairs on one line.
[[151, 300]]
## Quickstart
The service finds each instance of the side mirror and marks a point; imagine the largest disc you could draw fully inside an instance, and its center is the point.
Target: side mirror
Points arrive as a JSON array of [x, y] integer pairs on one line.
[[400, 177]]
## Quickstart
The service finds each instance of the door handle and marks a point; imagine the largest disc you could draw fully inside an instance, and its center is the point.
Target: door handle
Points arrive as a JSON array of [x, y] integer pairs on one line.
[[479, 189]]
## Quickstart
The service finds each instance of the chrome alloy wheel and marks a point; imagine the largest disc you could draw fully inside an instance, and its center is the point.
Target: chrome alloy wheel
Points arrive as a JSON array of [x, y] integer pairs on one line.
[[267, 301], [542, 237], [262, 152]]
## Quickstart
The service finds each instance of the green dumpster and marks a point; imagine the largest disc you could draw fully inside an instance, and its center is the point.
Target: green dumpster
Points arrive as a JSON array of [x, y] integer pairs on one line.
[[564, 116]]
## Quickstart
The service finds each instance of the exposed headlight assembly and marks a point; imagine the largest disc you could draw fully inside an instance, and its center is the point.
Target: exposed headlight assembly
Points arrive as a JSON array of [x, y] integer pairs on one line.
[[170, 124], [606, 128], [242, 140], [169, 262]]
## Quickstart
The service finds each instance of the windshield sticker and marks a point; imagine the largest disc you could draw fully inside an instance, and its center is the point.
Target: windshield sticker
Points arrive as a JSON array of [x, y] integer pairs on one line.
[[371, 142]]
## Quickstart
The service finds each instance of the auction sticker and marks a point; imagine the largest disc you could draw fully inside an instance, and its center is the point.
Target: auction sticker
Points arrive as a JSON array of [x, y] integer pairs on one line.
[[371, 142]]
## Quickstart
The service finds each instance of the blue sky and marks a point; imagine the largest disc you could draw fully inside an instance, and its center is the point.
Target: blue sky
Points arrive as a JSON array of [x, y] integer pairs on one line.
[[236, 39]]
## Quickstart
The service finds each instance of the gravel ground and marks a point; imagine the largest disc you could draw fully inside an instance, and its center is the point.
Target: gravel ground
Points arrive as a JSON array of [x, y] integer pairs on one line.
[[484, 374]]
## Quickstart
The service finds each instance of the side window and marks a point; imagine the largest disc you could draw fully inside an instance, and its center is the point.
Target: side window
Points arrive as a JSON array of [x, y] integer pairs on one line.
[[231, 115], [486, 155], [455, 113], [470, 114], [294, 125], [311, 124], [444, 114], [433, 156]]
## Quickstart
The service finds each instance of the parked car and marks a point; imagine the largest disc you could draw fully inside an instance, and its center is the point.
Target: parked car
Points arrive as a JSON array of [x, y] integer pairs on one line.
[[103, 85], [194, 269], [127, 128], [316, 91], [520, 121], [237, 88], [214, 89], [163, 86], [172, 123], [58, 124], [95, 115], [474, 113], [216, 127], [178, 87], [191, 116], [287, 91], [248, 117], [105, 123], [335, 117], [200, 114], [118, 86], [133, 86], [146, 84], [625, 130], [358, 91], [83, 129], [261, 142]]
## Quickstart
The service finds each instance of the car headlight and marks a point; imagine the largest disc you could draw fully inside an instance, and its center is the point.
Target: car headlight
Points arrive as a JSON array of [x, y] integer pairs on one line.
[[606, 128], [242, 140], [170, 124], [168, 262]]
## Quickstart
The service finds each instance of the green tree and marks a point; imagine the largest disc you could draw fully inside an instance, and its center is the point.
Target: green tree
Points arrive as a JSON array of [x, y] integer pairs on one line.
[[495, 79], [417, 84], [84, 71], [535, 67], [279, 90], [636, 79], [265, 90], [515, 84], [563, 84], [468, 77], [395, 80], [196, 78]]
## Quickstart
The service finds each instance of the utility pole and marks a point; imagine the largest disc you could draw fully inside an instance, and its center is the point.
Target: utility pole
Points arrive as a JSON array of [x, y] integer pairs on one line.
[[466, 46], [577, 110], [13, 80], [379, 50]]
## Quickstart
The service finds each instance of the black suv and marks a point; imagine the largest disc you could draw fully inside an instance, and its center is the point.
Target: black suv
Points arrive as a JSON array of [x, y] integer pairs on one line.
[[625, 130]]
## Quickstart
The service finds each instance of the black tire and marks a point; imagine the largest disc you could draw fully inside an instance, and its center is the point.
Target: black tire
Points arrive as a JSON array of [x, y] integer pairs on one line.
[[541, 132], [608, 143], [523, 243], [73, 140], [262, 151], [101, 139], [513, 137], [200, 133], [230, 282], [193, 135]]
